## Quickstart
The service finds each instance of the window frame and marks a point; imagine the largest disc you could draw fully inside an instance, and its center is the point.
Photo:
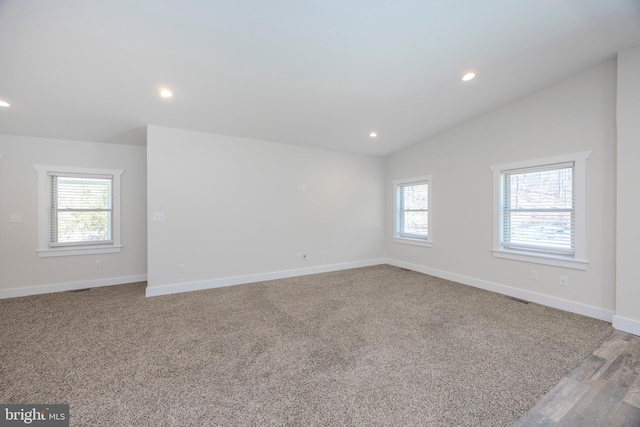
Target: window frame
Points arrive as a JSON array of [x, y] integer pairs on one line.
[[577, 260], [44, 213], [397, 235]]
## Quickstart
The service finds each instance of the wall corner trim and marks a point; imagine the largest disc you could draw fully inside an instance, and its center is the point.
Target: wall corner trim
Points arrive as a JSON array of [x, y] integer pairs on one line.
[[62, 287], [153, 291], [624, 324], [549, 301]]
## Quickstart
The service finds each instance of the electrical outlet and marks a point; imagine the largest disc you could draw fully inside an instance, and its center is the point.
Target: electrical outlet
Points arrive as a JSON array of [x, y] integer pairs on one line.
[[533, 275], [98, 263], [564, 280], [15, 218], [180, 268], [158, 216]]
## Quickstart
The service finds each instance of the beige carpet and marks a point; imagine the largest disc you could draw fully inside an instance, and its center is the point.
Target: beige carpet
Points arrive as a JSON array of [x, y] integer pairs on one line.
[[370, 346]]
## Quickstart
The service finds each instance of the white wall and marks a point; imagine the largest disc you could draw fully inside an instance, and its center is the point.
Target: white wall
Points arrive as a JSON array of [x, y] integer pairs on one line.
[[233, 212], [572, 116], [232, 209], [628, 204], [21, 271]]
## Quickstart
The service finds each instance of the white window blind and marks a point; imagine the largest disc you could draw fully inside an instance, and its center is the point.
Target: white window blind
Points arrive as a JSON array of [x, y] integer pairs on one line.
[[81, 210], [538, 209], [413, 214]]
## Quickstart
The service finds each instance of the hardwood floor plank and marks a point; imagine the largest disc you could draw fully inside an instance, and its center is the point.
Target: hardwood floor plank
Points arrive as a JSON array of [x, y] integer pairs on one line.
[[555, 404], [625, 416], [633, 395], [622, 336], [603, 390], [586, 371], [573, 419], [625, 369], [609, 351], [611, 348], [599, 402]]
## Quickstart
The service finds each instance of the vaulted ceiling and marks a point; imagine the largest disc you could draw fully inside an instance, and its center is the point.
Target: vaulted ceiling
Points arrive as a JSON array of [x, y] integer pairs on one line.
[[314, 73]]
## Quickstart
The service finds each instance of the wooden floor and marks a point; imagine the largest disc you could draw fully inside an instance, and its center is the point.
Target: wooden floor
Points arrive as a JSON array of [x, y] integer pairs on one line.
[[604, 390]]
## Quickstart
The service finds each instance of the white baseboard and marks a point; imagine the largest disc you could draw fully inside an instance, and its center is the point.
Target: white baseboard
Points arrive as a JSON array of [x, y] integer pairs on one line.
[[620, 323], [626, 325], [559, 303], [62, 287], [153, 291]]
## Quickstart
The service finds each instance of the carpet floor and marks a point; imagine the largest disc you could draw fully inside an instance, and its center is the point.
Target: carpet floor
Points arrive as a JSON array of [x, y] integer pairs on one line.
[[370, 346]]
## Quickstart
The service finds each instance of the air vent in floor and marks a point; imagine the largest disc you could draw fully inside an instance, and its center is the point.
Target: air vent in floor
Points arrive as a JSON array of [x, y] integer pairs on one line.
[[519, 300]]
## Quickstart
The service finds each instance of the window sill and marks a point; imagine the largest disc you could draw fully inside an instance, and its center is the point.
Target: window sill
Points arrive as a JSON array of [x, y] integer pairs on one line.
[[415, 242], [548, 259], [72, 251]]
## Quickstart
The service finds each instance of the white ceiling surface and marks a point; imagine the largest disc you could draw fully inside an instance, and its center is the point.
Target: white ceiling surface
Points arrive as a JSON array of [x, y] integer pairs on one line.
[[314, 73]]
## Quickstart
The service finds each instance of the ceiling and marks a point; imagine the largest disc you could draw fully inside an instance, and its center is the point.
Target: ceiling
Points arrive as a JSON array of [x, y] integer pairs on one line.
[[315, 73]]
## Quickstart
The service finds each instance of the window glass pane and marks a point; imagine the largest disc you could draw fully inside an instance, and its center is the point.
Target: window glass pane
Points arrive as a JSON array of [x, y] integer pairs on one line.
[[413, 209], [84, 226], [415, 223], [552, 229], [84, 193], [550, 189], [414, 197], [538, 209], [82, 209]]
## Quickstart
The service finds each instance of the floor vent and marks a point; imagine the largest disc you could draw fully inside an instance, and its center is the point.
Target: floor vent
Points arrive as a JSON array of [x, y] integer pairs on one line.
[[81, 290], [519, 300]]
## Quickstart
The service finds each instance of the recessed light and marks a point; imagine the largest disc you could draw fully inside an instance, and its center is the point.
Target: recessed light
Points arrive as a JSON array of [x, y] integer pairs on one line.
[[468, 76], [166, 93], [4, 104], [373, 135]]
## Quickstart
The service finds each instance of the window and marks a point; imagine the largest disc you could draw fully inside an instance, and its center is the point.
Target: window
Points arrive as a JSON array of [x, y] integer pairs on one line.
[[79, 211], [539, 211], [412, 225]]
